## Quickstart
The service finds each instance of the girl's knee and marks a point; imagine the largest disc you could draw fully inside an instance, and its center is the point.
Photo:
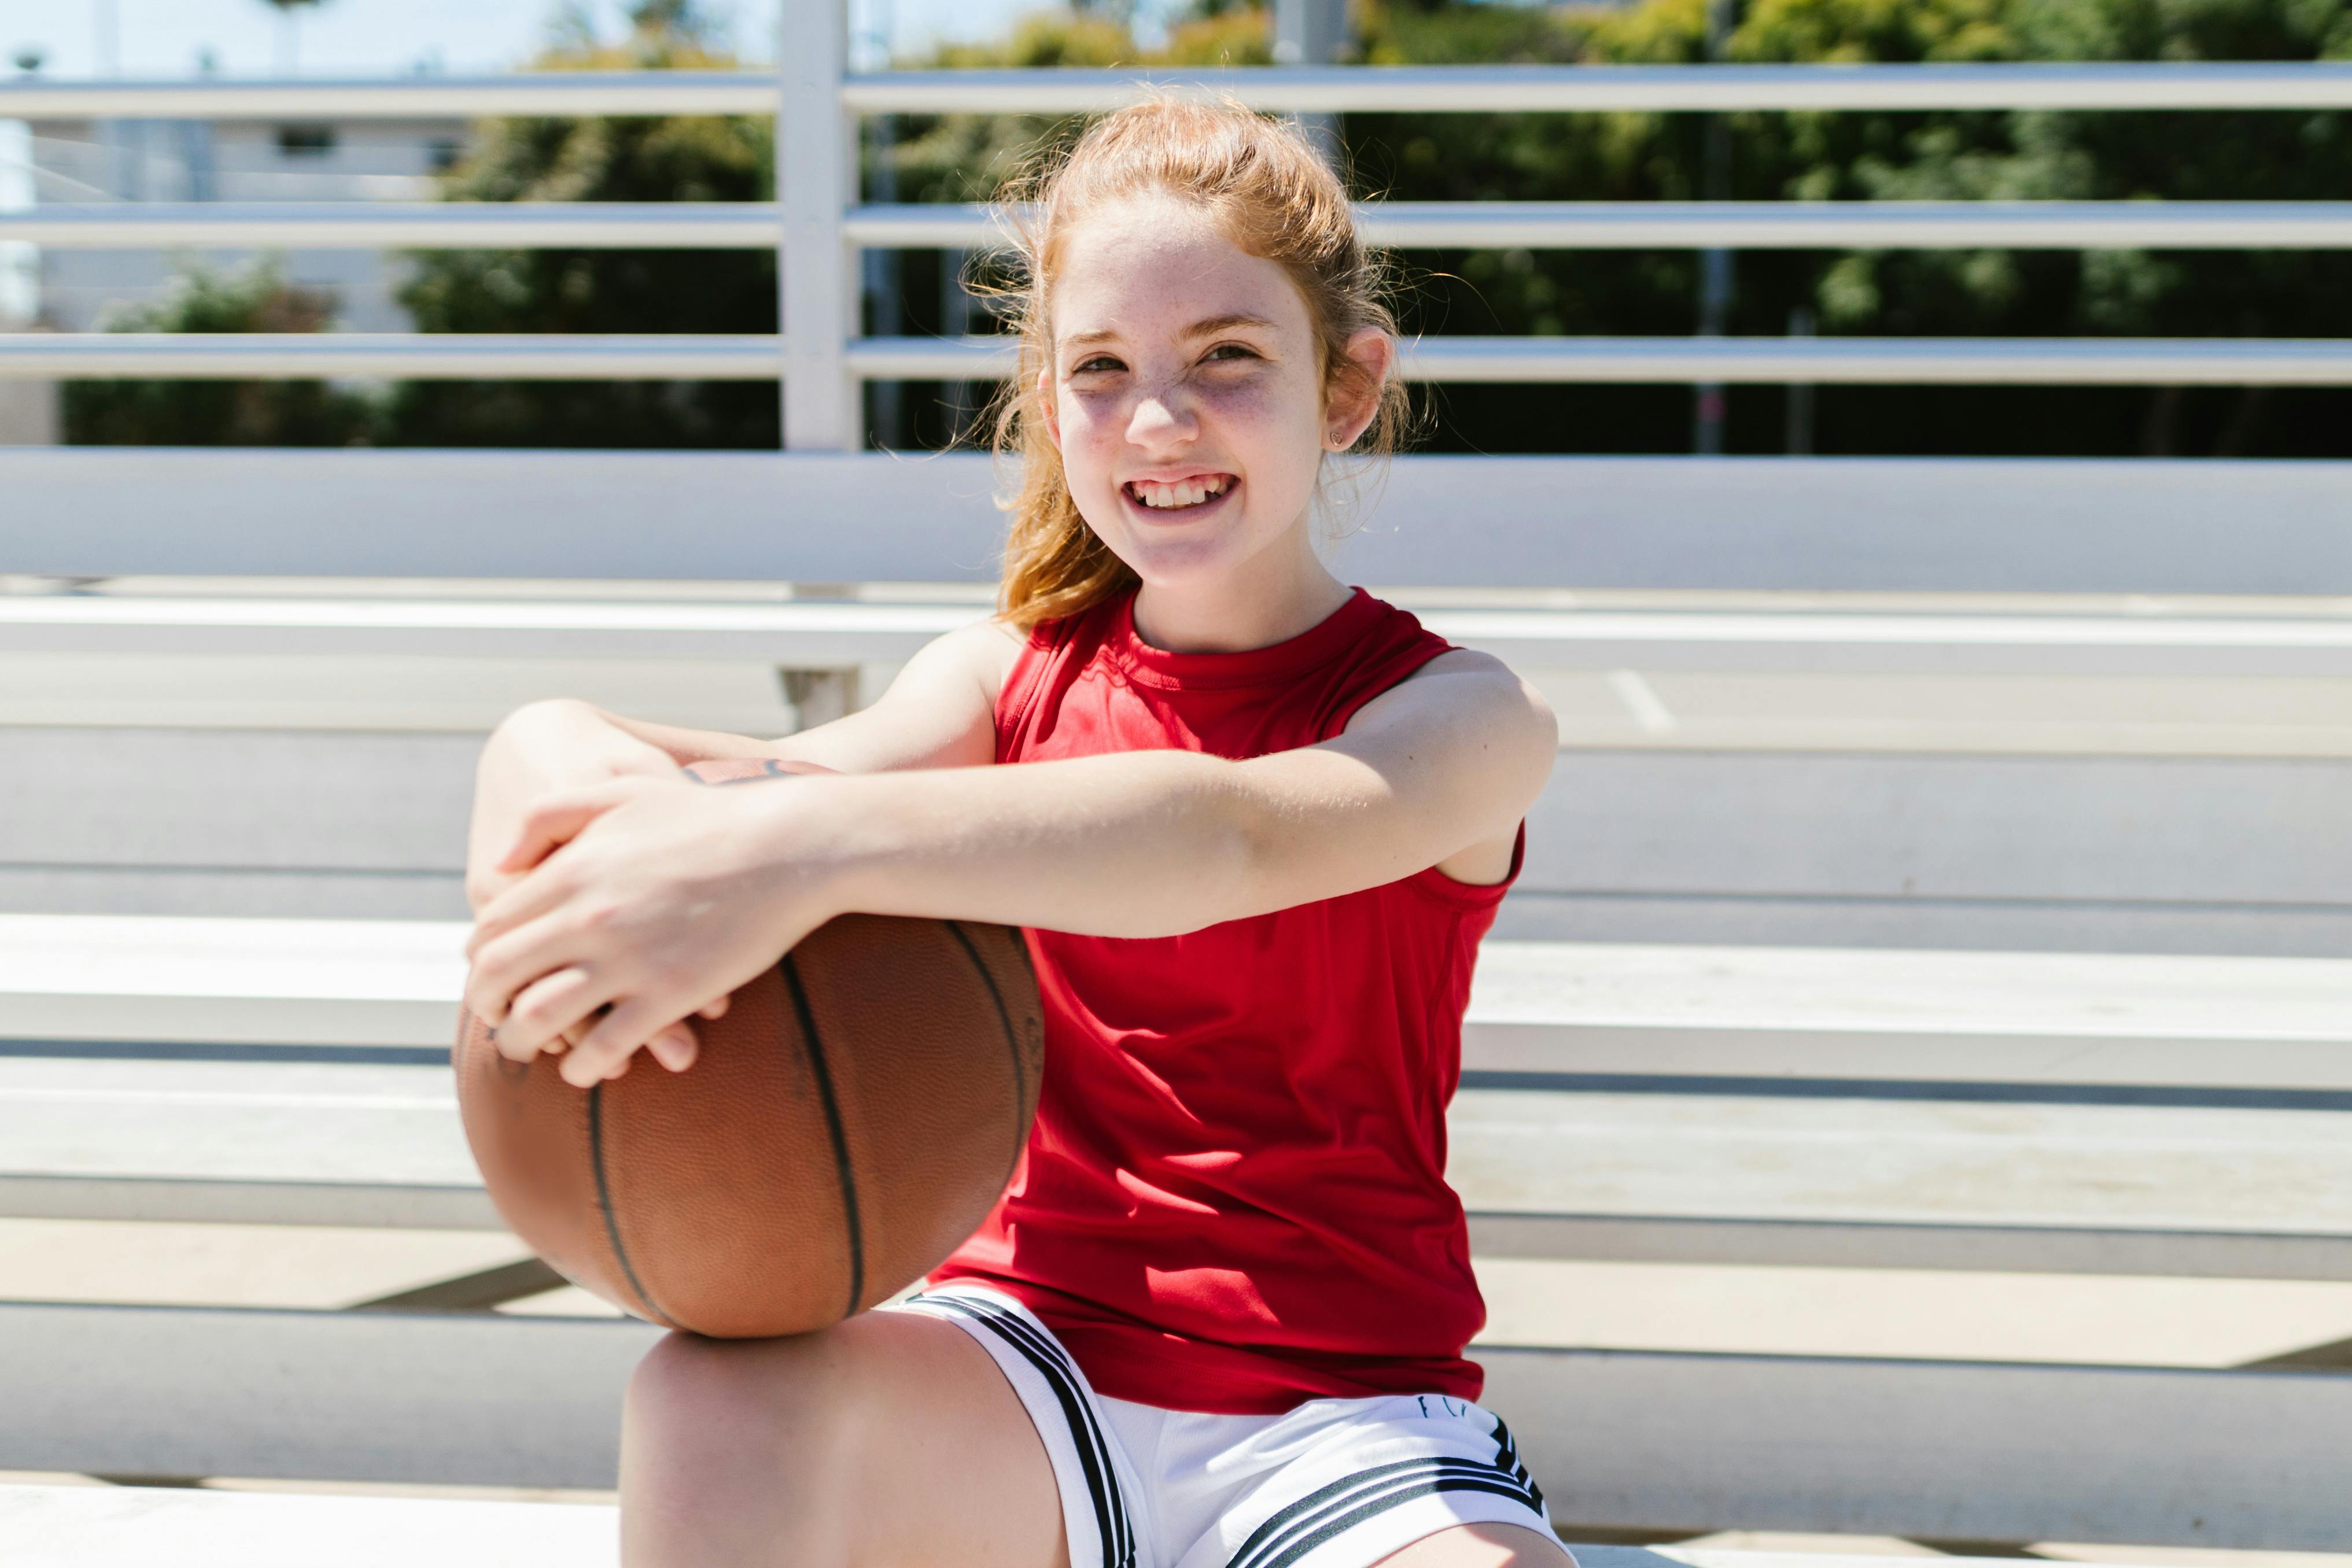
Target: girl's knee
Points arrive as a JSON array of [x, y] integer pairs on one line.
[[708, 1404], [731, 1453]]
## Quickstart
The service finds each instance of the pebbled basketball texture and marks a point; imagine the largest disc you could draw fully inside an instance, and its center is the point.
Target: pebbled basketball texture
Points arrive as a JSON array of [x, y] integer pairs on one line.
[[850, 1119]]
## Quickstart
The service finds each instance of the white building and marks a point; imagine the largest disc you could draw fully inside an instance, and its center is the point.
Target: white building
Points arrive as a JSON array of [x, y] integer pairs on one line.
[[234, 160]]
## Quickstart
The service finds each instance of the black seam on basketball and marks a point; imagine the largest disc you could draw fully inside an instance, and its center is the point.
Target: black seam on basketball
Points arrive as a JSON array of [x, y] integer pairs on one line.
[[605, 1208], [849, 1177], [1012, 1042]]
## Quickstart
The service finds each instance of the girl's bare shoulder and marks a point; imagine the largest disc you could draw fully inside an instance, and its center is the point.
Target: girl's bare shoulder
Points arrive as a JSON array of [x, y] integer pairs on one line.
[[1469, 685]]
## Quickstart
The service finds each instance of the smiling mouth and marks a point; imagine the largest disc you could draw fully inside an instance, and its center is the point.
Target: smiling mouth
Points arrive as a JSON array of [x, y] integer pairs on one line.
[[1195, 490]]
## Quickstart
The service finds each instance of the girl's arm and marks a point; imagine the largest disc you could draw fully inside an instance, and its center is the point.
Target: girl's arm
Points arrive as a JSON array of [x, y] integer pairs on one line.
[[662, 896], [939, 713], [936, 714], [1437, 771]]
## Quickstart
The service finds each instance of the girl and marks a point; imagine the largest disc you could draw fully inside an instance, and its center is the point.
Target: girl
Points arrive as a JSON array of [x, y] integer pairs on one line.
[[1259, 823]]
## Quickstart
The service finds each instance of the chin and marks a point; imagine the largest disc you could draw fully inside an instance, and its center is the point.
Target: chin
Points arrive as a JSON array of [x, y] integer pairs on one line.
[[1172, 563]]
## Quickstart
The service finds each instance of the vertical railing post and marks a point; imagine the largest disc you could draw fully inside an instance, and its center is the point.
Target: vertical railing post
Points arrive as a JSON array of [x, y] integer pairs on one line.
[[1312, 32], [1709, 402], [816, 151]]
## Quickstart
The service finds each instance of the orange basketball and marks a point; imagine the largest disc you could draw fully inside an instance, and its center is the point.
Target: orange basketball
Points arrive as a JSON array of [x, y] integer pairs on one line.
[[849, 1120]]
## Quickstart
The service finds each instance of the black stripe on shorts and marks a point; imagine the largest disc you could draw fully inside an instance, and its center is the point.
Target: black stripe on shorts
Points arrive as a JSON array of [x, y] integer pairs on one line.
[[1052, 1363], [1297, 1530]]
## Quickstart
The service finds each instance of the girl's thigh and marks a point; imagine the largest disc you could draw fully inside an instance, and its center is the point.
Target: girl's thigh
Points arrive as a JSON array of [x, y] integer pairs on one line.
[[891, 1438], [1482, 1546]]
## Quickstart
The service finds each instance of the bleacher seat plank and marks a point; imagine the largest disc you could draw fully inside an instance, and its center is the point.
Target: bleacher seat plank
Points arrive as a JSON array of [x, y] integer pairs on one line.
[[1902, 1014], [1922, 525], [2098, 854], [1944, 1449], [823, 634], [236, 1143], [148, 1527], [2182, 855], [2003, 1185], [1557, 1008], [802, 634], [202, 979], [456, 1397], [245, 823], [1713, 1177], [128, 1527], [1605, 1118], [358, 697]]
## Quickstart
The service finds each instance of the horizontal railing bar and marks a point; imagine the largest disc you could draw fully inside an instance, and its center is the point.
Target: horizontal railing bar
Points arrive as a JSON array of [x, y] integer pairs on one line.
[[523, 225], [1944, 362], [403, 98], [1564, 225], [2113, 85], [1742, 225], [519, 356], [1399, 89], [1660, 361], [974, 358], [823, 635]]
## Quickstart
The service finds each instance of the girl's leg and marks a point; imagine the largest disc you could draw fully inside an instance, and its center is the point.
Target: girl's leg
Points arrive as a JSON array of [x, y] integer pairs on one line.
[[889, 1441], [1482, 1546]]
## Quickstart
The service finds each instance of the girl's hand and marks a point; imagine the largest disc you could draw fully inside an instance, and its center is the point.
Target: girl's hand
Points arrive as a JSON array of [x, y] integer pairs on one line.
[[545, 748], [646, 900]]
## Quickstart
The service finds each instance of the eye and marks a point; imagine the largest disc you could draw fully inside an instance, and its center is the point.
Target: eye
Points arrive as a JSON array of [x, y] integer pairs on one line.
[[1232, 352], [1096, 363]]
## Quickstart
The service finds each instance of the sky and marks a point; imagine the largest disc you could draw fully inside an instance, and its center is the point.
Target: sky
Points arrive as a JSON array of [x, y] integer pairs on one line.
[[373, 37]]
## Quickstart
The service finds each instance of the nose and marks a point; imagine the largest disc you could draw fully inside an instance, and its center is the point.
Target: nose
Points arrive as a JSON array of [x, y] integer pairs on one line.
[[1162, 416]]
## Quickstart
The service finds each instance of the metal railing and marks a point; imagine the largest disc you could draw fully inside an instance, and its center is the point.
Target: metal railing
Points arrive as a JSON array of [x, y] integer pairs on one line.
[[1429, 225], [752, 357], [1394, 89], [820, 228]]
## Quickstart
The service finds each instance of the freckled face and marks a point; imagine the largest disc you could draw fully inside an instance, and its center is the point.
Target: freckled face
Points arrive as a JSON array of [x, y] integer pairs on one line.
[[1183, 391]]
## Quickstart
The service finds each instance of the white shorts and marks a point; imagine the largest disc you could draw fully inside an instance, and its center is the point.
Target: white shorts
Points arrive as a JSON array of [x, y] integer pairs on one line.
[[1333, 1483]]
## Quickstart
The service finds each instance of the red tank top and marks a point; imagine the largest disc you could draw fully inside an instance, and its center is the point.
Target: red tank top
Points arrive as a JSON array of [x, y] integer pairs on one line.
[[1233, 1199]]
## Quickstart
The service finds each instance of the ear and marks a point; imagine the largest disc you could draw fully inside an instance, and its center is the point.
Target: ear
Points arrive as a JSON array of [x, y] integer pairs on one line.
[[1373, 352], [1045, 407]]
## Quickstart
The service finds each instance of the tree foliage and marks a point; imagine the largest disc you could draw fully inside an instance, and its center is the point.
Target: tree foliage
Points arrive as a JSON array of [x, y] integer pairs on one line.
[[681, 158], [2281, 155], [2284, 155], [221, 413]]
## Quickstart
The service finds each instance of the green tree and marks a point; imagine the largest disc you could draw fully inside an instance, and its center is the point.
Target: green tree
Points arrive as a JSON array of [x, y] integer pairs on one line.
[[682, 158], [2201, 155], [2283, 156], [221, 413]]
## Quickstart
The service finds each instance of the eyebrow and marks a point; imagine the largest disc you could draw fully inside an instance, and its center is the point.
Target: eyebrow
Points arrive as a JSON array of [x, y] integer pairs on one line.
[[1207, 326]]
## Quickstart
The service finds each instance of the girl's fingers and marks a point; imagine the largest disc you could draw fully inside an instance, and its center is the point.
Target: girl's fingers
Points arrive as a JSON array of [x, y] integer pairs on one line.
[[604, 1052], [502, 966], [548, 1008], [559, 819], [518, 905], [716, 1009], [675, 1047]]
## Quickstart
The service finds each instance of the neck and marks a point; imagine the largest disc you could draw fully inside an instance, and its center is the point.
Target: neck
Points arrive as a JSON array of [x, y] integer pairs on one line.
[[1271, 598]]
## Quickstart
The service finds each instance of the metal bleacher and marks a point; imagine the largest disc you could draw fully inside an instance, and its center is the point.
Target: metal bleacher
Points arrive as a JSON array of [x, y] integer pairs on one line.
[[1948, 866]]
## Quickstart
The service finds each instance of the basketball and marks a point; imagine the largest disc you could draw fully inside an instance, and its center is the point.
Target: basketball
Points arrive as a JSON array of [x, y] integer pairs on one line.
[[850, 1119]]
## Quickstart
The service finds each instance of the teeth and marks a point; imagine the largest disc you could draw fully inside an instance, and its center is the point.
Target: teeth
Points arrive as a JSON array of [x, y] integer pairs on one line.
[[1185, 493]]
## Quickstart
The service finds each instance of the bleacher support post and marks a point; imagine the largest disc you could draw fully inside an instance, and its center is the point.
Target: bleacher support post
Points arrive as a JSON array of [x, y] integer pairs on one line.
[[815, 140]]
